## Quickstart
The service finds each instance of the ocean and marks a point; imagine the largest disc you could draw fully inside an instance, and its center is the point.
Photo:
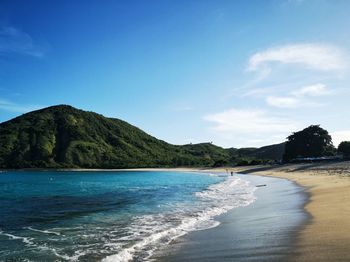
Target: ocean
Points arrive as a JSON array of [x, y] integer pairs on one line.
[[109, 216]]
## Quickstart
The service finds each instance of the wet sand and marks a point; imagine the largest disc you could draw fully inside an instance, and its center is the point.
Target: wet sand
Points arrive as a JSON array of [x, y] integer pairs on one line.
[[263, 231], [327, 236]]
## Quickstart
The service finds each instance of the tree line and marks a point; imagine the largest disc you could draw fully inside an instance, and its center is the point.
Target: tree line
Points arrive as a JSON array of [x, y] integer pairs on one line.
[[313, 142]]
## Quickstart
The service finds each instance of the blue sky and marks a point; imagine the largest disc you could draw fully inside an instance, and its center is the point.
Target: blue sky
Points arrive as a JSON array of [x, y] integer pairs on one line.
[[237, 73]]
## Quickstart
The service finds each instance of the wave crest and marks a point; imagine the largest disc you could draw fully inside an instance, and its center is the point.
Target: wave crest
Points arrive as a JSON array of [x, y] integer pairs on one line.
[[149, 232]]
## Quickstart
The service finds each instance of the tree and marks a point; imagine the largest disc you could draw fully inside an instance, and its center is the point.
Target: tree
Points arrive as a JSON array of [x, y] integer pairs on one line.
[[312, 141], [344, 149]]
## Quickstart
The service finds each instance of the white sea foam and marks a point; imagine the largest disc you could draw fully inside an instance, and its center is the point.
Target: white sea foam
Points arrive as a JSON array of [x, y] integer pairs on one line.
[[151, 231], [44, 231], [26, 240], [30, 242], [140, 236]]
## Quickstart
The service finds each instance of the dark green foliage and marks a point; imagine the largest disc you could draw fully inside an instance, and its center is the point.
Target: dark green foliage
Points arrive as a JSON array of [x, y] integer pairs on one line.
[[62, 137], [252, 162], [243, 162], [312, 141], [344, 149], [272, 152]]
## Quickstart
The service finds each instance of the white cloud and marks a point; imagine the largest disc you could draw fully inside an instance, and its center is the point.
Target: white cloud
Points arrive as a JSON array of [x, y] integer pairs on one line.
[[13, 40], [299, 97], [340, 136], [243, 121], [249, 127], [312, 90], [311, 55], [292, 76], [283, 102], [13, 107]]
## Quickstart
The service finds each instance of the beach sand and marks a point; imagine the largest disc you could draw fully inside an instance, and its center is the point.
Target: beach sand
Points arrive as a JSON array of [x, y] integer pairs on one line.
[[324, 237], [263, 231], [327, 236]]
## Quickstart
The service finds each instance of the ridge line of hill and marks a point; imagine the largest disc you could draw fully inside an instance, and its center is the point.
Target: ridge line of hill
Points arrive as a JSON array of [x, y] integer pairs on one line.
[[62, 136]]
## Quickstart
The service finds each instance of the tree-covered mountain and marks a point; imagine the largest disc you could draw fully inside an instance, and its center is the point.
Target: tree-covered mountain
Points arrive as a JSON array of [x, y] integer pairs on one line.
[[62, 136], [271, 152], [312, 141]]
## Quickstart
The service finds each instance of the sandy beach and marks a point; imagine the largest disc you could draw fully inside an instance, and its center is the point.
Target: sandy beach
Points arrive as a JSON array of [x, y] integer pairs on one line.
[[265, 230], [324, 237], [327, 236]]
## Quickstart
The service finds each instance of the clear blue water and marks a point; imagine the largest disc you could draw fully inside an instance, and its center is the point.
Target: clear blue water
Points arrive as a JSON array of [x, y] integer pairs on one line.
[[116, 216]]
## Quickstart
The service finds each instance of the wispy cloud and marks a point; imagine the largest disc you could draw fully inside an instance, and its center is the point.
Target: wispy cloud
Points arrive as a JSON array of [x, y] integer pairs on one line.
[[283, 101], [15, 41], [292, 63], [310, 55], [312, 90], [244, 121], [299, 97], [286, 77], [250, 127], [17, 108]]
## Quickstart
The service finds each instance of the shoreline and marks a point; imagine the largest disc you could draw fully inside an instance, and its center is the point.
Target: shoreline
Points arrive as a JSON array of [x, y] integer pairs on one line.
[[265, 230], [327, 236]]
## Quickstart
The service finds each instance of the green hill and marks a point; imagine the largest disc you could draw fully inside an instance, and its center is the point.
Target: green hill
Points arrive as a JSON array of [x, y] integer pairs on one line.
[[63, 136], [274, 152]]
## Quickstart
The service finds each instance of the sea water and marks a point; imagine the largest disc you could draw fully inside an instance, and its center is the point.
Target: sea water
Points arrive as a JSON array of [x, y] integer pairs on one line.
[[108, 216]]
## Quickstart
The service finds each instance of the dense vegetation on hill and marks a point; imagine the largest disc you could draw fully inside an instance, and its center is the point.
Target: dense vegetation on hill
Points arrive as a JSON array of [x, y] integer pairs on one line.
[[344, 149], [63, 136], [263, 153], [312, 141]]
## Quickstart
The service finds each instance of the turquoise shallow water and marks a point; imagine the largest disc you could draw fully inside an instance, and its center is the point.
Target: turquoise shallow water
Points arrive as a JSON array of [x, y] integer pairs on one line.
[[264, 231], [111, 216]]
